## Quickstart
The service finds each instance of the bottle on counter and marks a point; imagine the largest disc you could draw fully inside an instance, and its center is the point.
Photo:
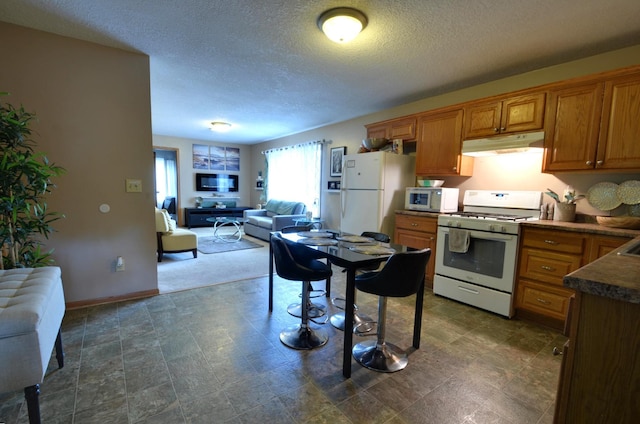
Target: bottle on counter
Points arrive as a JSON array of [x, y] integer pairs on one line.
[[543, 212]]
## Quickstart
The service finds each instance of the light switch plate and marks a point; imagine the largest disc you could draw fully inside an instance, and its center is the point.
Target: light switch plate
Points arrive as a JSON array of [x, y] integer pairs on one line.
[[134, 186]]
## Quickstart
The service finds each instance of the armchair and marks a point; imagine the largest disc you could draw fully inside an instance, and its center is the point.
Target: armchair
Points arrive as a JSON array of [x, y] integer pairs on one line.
[[276, 215], [172, 239]]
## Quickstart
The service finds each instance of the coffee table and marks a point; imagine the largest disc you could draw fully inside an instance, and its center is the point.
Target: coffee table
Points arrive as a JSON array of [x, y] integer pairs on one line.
[[221, 221], [315, 222]]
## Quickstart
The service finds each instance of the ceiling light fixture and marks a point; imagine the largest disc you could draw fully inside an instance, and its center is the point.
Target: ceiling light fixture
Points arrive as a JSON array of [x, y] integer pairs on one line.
[[219, 126], [342, 24]]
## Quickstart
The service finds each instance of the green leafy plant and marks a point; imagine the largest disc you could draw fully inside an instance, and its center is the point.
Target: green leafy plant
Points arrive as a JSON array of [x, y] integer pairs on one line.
[[25, 180]]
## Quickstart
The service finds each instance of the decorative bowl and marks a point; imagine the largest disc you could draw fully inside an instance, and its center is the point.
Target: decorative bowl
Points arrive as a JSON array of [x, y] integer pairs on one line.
[[374, 143], [430, 183], [628, 222]]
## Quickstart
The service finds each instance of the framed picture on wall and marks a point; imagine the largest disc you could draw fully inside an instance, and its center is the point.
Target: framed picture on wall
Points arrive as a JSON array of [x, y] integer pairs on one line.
[[336, 160]]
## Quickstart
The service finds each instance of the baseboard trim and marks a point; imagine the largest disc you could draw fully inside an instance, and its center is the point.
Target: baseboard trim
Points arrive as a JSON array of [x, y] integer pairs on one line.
[[128, 296]]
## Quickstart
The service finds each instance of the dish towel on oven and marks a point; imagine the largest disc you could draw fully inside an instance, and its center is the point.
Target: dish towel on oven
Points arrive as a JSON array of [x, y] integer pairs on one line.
[[459, 240]]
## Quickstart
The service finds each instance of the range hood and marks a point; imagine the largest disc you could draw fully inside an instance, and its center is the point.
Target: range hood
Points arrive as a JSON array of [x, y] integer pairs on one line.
[[513, 143]]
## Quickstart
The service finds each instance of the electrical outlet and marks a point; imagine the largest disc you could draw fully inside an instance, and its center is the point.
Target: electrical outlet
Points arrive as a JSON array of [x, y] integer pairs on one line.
[[119, 264], [133, 185]]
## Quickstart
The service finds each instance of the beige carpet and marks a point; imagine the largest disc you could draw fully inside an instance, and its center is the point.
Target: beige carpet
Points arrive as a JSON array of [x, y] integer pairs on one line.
[[180, 271]]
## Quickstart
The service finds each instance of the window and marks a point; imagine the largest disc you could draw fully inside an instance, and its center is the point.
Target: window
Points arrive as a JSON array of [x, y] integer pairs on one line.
[[166, 174], [294, 173]]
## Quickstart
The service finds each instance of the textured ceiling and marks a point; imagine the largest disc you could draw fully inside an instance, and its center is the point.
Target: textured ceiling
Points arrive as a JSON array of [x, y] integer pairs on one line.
[[264, 65]]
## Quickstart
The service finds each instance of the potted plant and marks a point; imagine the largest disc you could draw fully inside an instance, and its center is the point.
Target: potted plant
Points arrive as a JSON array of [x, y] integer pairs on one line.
[[25, 180]]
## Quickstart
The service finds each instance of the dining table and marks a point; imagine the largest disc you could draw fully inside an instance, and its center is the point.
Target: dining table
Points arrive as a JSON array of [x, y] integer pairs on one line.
[[344, 255]]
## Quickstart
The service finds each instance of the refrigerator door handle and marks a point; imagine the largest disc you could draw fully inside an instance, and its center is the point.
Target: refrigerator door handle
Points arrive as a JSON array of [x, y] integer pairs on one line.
[[343, 185]]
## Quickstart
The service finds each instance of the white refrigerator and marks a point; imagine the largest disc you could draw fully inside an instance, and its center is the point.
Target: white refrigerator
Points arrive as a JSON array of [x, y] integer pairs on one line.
[[372, 187]]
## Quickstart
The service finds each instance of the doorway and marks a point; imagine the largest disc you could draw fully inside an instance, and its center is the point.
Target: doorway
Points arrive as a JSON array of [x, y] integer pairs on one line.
[[166, 179]]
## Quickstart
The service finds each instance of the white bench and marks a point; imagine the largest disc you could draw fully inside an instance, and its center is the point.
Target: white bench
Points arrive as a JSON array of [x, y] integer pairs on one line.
[[31, 310]]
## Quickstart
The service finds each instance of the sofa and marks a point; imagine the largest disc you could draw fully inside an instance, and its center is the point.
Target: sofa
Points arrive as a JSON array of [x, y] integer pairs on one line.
[[172, 239], [273, 217]]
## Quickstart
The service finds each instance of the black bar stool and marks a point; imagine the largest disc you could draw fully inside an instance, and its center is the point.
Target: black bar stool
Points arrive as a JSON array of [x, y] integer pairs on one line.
[[401, 276], [299, 263], [360, 321], [316, 310]]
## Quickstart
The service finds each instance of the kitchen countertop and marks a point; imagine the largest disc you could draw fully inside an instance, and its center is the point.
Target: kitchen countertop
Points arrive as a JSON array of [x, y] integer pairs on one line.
[[418, 213], [614, 276], [582, 227]]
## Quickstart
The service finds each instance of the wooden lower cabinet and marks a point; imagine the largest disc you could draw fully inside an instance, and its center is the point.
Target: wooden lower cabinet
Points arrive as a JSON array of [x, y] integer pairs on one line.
[[600, 377], [418, 232], [546, 256]]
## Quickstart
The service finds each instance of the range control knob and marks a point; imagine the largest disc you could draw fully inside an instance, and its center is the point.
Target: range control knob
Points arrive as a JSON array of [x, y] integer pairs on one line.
[[497, 228]]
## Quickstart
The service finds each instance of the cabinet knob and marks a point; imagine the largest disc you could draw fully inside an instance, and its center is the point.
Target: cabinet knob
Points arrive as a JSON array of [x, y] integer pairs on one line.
[[455, 168], [556, 351], [502, 129], [551, 242], [496, 130], [548, 268], [544, 302], [589, 163], [599, 162]]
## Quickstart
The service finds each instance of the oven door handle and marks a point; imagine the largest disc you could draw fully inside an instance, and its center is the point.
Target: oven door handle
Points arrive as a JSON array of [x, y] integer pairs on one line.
[[483, 236]]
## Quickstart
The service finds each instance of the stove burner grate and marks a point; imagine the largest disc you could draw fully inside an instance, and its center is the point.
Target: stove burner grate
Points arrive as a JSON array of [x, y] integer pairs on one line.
[[491, 216]]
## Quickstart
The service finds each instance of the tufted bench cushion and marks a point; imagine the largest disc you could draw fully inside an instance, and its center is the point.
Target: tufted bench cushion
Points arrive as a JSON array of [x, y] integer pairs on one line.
[[31, 311]]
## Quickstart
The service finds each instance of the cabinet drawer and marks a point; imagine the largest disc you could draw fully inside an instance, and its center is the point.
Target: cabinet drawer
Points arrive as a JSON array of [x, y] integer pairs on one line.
[[557, 241], [417, 223], [542, 299], [547, 266]]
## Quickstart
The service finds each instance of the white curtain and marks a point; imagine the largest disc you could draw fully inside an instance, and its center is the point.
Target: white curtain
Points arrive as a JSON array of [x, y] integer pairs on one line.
[[294, 173], [166, 177]]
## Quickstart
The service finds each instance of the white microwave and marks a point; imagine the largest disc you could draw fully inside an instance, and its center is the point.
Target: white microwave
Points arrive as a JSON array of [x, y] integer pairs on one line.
[[431, 199]]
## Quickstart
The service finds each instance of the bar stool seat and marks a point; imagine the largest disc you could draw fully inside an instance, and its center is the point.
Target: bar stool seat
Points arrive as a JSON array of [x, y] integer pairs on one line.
[[299, 263], [401, 276]]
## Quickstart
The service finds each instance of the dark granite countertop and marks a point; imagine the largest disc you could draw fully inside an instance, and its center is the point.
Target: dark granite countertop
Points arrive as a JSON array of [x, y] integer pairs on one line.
[[616, 276]]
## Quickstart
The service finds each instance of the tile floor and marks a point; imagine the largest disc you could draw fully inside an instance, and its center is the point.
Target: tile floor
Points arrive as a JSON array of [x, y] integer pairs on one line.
[[212, 355]]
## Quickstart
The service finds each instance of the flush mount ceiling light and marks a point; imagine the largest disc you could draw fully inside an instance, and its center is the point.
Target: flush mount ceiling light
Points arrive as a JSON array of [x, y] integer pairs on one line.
[[219, 126], [342, 24]]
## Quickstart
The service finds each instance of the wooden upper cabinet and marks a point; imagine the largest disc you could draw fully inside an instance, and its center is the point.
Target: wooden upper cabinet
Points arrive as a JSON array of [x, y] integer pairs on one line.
[[594, 126], [619, 144], [377, 131], [572, 126], [510, 115], [403, 128], [439, 145]]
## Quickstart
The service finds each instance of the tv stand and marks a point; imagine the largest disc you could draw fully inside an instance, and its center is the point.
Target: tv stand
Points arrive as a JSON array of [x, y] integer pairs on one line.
[[197, 217]]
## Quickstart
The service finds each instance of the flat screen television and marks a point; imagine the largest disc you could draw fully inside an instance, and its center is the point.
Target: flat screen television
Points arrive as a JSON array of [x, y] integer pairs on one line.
[[222, 183]]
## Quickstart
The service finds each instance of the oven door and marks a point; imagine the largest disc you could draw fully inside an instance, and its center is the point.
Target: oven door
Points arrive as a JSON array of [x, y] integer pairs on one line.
[[489, 262]]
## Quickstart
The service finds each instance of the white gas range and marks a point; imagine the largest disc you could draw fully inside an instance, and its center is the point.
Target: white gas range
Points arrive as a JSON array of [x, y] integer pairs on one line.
[[477, 248]]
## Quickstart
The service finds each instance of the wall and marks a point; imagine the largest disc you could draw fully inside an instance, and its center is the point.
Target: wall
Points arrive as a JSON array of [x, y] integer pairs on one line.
[[94, 119], [503, 172], [186, 181]]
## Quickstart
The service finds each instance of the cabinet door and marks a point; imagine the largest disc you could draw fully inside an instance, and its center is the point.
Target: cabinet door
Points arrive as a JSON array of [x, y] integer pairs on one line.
[[404, 128], [601, 245], [482, 120], [377, 131], [619, 146], [523, 113], [439, 145], [514, 114], [572, 126], [419, 240]]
